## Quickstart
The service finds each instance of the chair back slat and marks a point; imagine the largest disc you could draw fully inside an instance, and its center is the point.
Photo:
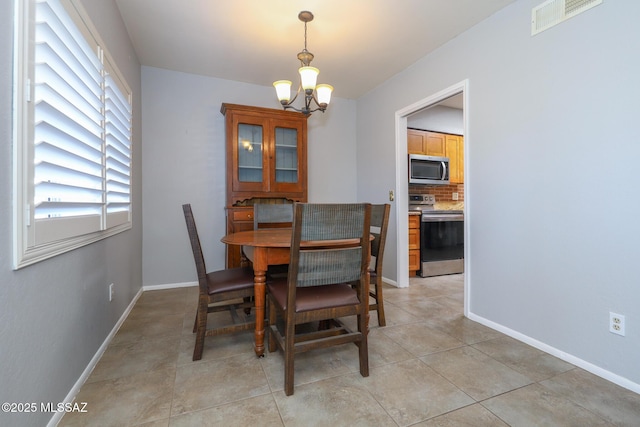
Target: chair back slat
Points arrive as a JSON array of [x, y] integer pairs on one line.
[[379, 214], [332, 221], [375, 244], [196, 248], [379, 220], [323, 267], [268, 215]]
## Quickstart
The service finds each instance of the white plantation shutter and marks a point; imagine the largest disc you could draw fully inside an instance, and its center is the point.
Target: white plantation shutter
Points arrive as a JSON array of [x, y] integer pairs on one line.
[[118, 151], [68, 128], [73, 144]]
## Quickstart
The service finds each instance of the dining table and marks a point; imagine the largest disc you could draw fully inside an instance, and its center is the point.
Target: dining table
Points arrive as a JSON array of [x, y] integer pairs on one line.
[[271, 246]]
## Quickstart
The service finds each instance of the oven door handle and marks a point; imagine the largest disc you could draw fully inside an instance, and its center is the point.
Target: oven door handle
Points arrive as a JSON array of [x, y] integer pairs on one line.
[[442, 218]]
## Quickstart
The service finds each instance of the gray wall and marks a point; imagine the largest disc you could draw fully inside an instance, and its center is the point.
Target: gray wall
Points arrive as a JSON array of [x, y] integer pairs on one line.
[[54, 315], [184, 162], [438, 119], [551, 174]]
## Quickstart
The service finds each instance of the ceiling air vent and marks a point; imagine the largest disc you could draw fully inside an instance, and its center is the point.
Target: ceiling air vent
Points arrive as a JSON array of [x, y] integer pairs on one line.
[[553, 12]]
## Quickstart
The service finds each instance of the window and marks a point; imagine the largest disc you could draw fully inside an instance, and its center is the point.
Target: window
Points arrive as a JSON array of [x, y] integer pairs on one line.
[[72, 134]]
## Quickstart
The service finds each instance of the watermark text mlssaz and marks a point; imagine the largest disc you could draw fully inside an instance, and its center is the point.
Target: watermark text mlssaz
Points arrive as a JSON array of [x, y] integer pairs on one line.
[[24, 407]]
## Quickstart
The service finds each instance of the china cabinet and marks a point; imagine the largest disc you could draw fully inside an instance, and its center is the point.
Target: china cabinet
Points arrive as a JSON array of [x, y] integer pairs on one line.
[[266, 162]]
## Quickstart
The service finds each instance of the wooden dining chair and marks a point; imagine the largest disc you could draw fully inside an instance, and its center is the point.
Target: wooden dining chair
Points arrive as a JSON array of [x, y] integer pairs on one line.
[[319, 285], [228, 289], [379, 225]]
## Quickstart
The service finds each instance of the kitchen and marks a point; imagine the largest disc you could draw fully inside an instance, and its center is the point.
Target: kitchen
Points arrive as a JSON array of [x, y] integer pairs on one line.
[[435, 144]]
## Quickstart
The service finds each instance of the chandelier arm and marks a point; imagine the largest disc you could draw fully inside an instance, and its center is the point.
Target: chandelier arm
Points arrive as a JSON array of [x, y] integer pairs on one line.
[[288, 104], [321, 107], [309, 98], [307, 103], [307, 110]]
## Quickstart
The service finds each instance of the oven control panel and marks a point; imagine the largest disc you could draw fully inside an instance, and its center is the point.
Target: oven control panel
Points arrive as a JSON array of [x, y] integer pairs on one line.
[[422, 199]]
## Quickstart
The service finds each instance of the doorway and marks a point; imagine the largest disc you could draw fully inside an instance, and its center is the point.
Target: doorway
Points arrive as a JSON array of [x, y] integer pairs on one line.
[[402, 184]]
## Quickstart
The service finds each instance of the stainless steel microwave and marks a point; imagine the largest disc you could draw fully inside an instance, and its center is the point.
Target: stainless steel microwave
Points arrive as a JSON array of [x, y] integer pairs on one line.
[[431, 170]]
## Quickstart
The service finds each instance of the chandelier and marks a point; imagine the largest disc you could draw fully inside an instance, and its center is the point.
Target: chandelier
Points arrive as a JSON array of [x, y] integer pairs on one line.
[[320, 94]]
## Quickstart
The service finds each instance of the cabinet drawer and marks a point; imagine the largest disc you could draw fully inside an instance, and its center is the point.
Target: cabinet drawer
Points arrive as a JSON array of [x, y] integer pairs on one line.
[[414, 260], [244, 215], [414, 221], [414, 238]]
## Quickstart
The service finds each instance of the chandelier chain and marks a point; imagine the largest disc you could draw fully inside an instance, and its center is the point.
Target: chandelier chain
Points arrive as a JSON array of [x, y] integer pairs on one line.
[[305, 36]]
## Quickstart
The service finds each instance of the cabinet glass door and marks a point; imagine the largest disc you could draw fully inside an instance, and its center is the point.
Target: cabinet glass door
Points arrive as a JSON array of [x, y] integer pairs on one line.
[[286, 144], [250, 168]]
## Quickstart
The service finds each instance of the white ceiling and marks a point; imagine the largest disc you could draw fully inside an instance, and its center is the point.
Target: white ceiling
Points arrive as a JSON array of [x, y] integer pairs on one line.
[[358, 44]]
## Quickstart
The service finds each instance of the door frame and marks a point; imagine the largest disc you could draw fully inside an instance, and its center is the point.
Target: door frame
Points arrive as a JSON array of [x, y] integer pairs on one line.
[[402, 182]]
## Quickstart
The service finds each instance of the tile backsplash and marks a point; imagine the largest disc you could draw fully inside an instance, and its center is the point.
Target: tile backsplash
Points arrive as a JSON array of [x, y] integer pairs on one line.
[[443, 193]]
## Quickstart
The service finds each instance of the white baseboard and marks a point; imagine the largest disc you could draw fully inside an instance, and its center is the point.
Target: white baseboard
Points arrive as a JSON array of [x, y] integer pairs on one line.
[[94, 361], [169, 286], [389, 281], [596, 370]]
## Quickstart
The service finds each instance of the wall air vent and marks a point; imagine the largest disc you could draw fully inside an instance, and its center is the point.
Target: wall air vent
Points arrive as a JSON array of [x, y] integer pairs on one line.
[[553, 12]]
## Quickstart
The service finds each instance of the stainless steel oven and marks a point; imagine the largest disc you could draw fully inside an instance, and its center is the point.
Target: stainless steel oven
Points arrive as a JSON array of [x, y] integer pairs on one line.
[[441, 237]]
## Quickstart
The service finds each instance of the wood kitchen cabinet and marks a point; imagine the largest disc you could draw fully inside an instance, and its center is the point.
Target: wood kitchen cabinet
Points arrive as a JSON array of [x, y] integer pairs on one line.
[[455, 153], [266, 162], [425, 142], [414, 244]]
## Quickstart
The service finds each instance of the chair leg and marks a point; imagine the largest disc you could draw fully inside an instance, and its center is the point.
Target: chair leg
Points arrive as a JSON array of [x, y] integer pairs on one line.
[[363, 346], [381, 319], [289, 353], [271, 310], [247, 310], [195, 323], [201, 329]]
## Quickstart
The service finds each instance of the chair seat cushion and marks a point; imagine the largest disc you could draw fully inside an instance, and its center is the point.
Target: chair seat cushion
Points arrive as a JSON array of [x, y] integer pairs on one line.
[[314, 297], [231, 279]]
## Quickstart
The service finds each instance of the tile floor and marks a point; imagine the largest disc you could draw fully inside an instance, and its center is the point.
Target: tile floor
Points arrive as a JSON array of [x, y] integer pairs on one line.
[[429, 366]]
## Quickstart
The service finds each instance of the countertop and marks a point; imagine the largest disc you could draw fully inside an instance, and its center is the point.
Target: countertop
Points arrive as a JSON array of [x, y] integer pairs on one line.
[[443, 206], [449, 206]]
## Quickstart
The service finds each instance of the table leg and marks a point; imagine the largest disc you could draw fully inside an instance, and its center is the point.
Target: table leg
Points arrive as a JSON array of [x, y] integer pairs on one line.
[[259, 288]]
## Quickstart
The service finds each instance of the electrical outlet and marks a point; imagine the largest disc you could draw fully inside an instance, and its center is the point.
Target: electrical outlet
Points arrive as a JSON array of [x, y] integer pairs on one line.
[[616, 323], [111, 292], [454, 196]]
